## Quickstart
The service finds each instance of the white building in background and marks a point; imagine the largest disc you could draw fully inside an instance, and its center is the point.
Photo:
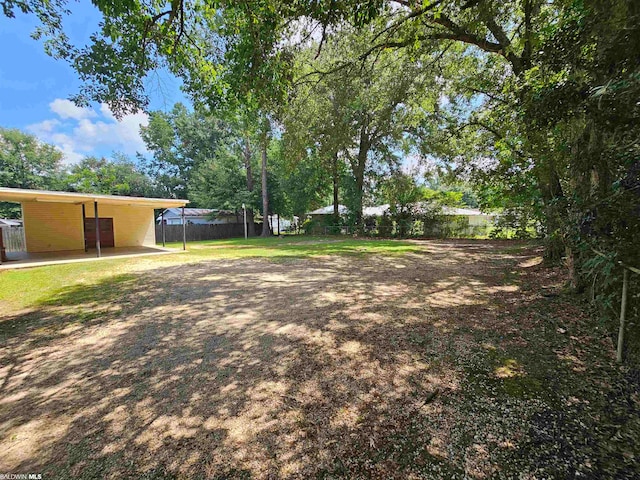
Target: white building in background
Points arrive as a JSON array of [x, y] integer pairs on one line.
[[328, 210], [199, 216], [475, 216], [286, 224]]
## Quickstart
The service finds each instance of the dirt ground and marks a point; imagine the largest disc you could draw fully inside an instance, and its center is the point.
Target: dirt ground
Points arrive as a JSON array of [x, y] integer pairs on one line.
[[459, 360]]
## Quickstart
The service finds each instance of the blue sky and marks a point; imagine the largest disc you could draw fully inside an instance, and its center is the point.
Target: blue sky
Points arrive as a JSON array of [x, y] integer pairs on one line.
[[34, 92]]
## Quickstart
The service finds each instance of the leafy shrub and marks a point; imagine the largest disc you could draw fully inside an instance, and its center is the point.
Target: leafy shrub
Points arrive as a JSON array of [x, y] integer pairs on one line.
[[385, 225]]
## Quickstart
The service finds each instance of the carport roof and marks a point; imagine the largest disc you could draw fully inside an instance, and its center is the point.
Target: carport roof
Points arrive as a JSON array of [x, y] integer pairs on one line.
[[21, 195]]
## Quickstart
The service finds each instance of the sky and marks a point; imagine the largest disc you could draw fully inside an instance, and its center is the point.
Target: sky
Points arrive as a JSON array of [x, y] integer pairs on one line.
[[35, 88]]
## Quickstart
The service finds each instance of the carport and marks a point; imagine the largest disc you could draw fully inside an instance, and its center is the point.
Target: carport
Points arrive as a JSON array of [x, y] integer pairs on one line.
[[70, 224]]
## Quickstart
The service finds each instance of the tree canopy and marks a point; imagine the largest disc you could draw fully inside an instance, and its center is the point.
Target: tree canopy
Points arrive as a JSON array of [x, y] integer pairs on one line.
[[533, 103]]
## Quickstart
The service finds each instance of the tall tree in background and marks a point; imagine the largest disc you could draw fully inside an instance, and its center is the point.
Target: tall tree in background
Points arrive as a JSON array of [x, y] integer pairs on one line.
[[316, 131], [265, 136], [180, 141], [26, 162], [201, 155], [361, 112], [119, 176]]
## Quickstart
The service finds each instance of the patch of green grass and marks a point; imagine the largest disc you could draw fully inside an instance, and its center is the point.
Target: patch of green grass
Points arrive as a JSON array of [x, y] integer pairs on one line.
[[27, 287], [31, 287], [300, 249], [522, 386], [500, 372]]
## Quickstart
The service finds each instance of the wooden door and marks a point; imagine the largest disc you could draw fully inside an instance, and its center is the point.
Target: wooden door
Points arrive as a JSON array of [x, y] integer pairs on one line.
[[106, 232]]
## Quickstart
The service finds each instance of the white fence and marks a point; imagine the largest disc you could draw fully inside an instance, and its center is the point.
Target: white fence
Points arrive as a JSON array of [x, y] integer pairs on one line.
[[13, 239]]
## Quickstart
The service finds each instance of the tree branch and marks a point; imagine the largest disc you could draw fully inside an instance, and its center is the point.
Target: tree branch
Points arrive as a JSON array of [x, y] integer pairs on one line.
[[496, 133], [497, 31], [414, 14]]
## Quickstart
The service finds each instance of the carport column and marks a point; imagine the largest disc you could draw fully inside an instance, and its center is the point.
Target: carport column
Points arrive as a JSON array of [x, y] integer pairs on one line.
[[162, 220], [184, 231], [84, 234], [95, 207]]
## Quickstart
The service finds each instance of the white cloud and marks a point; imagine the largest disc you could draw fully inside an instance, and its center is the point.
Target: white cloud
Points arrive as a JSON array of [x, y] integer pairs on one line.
[[79, 132], [67, 109], [43, 128]]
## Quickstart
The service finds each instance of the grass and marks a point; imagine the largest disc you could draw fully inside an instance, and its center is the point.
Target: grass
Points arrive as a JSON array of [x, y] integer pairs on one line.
[[28, 288]]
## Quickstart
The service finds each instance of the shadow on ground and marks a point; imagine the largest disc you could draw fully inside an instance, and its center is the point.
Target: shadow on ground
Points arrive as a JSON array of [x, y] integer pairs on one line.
[[441, 363]]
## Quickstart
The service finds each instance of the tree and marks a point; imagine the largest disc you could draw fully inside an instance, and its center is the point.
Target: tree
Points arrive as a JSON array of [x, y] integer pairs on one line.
[[265, 132], [317, 134], [402, 194], [201, 154], [362, 113], [26, 162], [119, 176], [549, 86], [180, 141]]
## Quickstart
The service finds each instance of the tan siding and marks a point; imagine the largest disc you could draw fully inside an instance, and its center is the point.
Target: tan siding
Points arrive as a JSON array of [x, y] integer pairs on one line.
[[132, 226], [51, 227]]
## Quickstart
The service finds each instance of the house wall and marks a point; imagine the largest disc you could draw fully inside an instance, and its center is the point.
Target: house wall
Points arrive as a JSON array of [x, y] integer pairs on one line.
[[480, 220], [51, 227], [132, 226]]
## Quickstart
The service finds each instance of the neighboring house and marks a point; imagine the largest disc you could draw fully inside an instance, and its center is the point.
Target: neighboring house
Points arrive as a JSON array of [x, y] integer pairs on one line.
[[476, 218], [199, 216], [375, 211], [286, 224], [323, 212]]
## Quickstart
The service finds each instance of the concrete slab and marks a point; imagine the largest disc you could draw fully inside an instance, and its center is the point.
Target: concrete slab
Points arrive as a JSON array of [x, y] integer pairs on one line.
[[31, 260]]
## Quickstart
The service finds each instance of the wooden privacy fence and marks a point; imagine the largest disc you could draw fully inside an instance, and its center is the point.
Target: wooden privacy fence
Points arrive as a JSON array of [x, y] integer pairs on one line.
[[195, 232], [13, 239]]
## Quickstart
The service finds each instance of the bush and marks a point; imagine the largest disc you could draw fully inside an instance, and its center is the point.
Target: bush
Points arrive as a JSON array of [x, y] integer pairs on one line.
[[515, 223], [385, 225], [308, 226]]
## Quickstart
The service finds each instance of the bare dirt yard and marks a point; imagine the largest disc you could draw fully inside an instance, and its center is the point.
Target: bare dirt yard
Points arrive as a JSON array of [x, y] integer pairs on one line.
[[461, 359]]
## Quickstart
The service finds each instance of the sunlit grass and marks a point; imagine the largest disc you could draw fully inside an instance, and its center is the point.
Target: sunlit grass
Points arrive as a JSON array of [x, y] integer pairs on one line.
[[27, 288], [294, 247]]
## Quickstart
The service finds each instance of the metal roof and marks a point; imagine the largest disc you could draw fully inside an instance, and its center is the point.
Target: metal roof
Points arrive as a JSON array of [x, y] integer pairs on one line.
[[191, 212], [198, 212], [21, 195], [375, 211], [464, 211], [329, 210]]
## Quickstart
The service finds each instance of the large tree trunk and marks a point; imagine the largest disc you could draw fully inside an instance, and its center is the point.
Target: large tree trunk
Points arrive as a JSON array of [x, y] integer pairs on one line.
[[358, 199], [251, 227], [266, 232], [555, 210], [336, 180], [358, 172]]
